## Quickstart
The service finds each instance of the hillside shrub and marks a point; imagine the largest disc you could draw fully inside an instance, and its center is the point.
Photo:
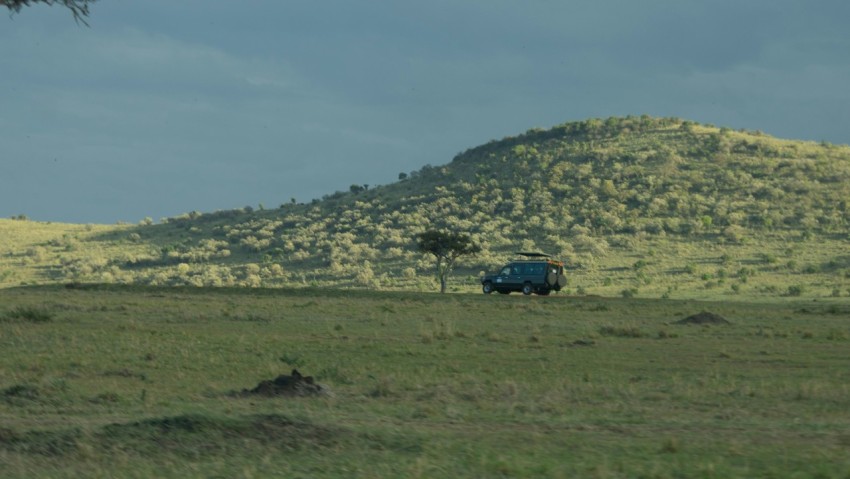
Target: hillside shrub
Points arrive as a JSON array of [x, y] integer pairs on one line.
[[622, 331], [31, 314], [794, 290]]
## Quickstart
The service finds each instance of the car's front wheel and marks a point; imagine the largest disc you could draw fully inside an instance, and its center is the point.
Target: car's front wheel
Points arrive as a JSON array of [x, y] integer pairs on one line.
[[527, 289], [487, 287]]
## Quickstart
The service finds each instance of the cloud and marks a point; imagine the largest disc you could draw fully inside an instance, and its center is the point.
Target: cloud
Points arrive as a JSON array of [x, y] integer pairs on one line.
[[204, 105]]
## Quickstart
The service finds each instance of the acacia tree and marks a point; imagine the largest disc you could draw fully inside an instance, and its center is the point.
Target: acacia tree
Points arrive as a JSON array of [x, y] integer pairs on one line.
[[80, 8], [446, 247]]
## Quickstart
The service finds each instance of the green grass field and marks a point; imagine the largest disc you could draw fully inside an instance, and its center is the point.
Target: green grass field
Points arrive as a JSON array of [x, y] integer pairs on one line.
[[117, 381]]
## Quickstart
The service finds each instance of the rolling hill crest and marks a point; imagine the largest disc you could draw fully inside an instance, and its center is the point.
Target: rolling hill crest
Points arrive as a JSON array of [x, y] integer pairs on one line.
[[641, 204]]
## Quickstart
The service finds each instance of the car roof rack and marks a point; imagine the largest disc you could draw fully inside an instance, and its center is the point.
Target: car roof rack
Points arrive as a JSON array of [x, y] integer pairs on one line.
[[532, 254]]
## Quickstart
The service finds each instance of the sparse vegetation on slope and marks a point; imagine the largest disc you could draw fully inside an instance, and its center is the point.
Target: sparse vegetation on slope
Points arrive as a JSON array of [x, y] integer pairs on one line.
[[636, 205]]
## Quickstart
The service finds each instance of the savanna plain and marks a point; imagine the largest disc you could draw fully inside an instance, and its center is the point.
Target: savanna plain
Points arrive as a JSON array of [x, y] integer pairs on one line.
[[143, 381]]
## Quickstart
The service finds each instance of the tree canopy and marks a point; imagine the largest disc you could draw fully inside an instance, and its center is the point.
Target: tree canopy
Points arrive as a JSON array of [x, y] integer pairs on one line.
[[446, 247]]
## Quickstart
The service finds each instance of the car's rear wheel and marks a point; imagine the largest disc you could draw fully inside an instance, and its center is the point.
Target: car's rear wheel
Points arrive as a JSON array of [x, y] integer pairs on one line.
[[527, 289], [487, 287]]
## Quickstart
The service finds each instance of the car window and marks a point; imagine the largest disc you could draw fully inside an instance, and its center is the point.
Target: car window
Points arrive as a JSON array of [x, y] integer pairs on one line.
[[516, 269], [505, 271]]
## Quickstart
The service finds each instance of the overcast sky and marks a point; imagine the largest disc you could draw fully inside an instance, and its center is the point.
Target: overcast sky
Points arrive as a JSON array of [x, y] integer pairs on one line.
[[162, 107]]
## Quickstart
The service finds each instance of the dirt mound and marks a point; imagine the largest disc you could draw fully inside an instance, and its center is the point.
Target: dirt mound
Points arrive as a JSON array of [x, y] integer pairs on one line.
[[294, 384], [704, 318]]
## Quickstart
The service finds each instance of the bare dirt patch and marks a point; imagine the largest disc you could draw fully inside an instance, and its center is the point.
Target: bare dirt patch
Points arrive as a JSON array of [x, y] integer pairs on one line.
[[704, 317], [294, 384]]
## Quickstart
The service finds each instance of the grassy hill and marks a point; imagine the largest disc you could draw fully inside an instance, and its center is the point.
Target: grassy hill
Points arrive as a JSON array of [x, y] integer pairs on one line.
[[657, 207]]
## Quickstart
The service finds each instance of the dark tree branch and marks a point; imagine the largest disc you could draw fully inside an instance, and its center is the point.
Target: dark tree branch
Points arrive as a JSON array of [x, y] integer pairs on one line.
[[80, 8]]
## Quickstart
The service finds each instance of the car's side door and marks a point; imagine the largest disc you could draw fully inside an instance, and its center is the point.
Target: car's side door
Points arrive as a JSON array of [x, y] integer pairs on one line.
[[513, 275], [533, 273], [501, 280]]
